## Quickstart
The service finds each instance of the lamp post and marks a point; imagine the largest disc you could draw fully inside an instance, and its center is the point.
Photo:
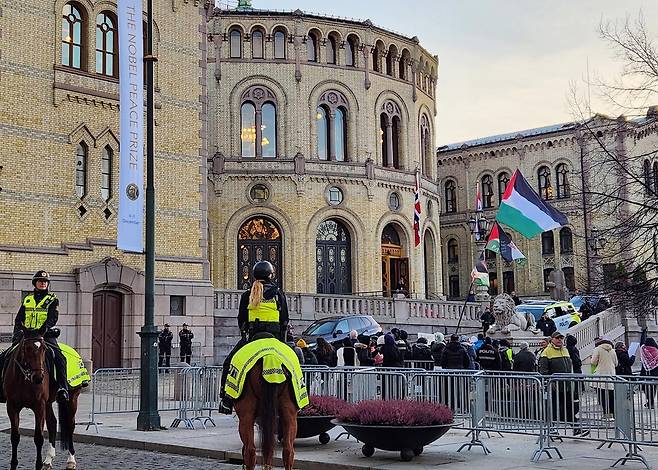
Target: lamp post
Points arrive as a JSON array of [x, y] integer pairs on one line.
[[595, 243], [479, 225], [148, 418]]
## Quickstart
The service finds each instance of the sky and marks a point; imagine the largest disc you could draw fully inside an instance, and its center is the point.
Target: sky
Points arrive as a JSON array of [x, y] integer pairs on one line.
[[504, 65]]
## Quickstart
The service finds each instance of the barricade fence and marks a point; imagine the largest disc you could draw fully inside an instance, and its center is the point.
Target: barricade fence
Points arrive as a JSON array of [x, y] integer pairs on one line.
[[621, 410]]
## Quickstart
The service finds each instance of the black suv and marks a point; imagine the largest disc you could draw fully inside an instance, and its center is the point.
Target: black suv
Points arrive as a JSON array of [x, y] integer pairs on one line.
[[335, 329]]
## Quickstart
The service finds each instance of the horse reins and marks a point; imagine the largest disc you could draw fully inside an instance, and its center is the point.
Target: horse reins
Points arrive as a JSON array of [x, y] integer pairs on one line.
[[28, 373]]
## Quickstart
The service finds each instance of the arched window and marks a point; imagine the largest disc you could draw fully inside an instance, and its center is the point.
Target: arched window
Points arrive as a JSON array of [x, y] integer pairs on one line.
[[403, 65], [566, 240], [562, 173], [333, 258], [451, 197], [331, 49], [377, 53], [106, 173], [503, 179], [487, 192], [655, 177], [235, 40], [257, 45], [426, 159], [350, 51], [258, 131], [107, 45], [259, 238], [81, 170], [390, 134], [390, 60], [331, 118], [279, 44], [73, 41], [312, 47], [453, 251], [545, 187], [647, 177], [547, 243]]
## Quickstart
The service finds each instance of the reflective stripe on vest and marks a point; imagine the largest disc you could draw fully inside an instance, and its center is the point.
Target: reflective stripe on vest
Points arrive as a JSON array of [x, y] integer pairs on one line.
[[266, 311], [36, 314]]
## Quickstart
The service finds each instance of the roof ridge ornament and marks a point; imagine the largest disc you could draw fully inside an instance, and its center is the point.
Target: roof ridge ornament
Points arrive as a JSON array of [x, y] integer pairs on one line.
[[244, 5]]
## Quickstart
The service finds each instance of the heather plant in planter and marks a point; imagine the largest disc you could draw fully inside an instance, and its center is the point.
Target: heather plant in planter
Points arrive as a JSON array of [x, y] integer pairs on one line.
[[398, 425], [315, 419]]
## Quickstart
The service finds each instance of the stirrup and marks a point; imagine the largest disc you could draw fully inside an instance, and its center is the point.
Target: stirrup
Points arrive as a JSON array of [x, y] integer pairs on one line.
[[62, 394], [226, 406]]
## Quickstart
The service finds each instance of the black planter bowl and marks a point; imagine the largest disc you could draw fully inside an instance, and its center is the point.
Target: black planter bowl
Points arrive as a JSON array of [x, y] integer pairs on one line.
[[309, 426], [408, 440]]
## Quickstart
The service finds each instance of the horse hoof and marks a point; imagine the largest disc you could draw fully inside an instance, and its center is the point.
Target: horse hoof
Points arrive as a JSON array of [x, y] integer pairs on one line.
[[70, 466], [47, 466]]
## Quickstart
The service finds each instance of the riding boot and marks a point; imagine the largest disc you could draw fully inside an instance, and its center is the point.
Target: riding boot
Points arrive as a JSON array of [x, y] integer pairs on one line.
[[61, 375]]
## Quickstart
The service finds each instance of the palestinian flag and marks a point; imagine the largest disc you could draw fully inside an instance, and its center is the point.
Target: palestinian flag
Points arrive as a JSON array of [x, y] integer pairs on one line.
[[480, 273], [524, 211], [500, 242]]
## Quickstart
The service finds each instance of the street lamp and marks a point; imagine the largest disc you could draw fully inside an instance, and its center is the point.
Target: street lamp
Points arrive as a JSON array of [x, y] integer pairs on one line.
[[479, 225], [596, 241]]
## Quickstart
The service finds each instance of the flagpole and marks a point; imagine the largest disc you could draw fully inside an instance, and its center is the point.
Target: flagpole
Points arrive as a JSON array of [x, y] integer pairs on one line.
[[461, 315]]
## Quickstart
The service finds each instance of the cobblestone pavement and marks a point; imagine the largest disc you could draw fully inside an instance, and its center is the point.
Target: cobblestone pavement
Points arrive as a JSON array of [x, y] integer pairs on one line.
[[95, 457]]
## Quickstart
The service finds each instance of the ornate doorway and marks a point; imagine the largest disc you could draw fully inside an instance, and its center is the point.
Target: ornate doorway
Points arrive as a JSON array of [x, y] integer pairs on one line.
[[395, 266], [259, 239], [333, 258], [106, 329]]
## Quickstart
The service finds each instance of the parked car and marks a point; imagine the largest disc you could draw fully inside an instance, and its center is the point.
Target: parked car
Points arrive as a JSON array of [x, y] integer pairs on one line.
[[564, 314], [335, 329], [597, 302]]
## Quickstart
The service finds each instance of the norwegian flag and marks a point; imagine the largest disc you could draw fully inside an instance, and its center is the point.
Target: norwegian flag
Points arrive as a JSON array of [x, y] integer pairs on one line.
[[417, 210]]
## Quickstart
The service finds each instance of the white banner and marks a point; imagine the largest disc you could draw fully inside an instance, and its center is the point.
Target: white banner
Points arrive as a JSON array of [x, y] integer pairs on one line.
[[131, 93]]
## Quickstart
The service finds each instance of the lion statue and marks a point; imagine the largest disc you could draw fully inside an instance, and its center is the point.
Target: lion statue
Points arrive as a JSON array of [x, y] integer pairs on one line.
[[508, 319]]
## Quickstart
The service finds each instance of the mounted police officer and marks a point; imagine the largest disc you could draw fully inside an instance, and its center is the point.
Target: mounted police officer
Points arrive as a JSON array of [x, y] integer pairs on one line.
[[38, 313], [263, 309]]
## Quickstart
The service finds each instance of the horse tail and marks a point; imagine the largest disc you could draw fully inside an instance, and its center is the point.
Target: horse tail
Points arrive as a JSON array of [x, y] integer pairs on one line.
[[267, 411], [65, 431]]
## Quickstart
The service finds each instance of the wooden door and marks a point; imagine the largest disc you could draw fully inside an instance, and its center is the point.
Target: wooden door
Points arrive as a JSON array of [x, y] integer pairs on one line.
[[106, 329]]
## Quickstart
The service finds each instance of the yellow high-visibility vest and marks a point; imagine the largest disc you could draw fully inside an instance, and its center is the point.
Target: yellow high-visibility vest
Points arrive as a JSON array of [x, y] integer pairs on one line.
[[36, 314], [266, 311]]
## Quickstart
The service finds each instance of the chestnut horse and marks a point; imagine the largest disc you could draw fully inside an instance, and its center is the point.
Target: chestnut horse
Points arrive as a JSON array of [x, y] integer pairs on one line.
[[27, 384], [263, 401]]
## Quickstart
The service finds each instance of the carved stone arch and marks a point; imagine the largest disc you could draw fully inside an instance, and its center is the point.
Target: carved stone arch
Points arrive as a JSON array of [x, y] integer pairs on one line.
[[81, 133], [107, 137], [431, 259], [402, 224], [109, 273], [258, 94], [235, 25], [105, 5], [334, 99], [282, 118]]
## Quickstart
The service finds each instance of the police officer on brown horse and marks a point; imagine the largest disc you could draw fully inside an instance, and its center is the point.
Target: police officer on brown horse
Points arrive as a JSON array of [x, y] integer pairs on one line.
[[263, 309], [38, 314]]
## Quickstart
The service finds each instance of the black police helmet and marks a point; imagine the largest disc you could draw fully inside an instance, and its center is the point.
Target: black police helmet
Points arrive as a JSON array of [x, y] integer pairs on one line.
[[40, 276], [263, 271]]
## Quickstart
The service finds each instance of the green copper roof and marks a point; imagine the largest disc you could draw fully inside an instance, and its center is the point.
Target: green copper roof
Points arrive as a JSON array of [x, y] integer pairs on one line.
[[244, 5]]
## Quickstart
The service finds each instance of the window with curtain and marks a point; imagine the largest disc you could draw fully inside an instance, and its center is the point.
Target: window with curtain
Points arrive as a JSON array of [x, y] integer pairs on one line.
[[312, 47], [545, 187], [106, 173], [503, 179], [107, 45], [257, 45], [451, 197], [331, 50], [81, 170], [331, 120], [547, 243], [235, 40], [487, 192], [566, 240], [562, 173], [453, 251], [73, 25], [258, 123], [279, 44]]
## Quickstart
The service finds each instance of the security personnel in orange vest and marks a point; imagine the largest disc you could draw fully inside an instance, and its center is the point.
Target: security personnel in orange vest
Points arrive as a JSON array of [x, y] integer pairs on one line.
[[39, 313], [262, 309]]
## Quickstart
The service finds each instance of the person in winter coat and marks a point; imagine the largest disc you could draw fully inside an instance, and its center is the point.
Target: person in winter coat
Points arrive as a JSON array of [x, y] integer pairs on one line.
[[506, 355], [479, 342], [185, 340], [347, 354], [649, 359], [487, 320], [391, 353], [164, 346], [309, 356], [555, 359], [546, 325], [525, 360], [624, 361], [574, 353], [325, 353], [488, 356], [403, 345], [421, 351], [472, 356], [454, 355], [437, 348], [604, 359]]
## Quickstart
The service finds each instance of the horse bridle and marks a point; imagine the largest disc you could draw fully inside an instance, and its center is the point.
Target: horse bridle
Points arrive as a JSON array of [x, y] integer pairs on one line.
[[28, 373]]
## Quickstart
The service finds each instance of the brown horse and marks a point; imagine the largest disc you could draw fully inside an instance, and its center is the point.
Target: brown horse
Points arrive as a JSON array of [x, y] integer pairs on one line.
[[263, 401], [27, 384]]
